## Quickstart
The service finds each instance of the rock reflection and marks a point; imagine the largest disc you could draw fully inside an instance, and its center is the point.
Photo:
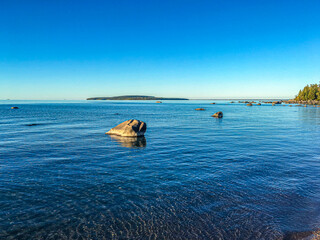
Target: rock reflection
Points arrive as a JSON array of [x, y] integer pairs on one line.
[[130, 142]]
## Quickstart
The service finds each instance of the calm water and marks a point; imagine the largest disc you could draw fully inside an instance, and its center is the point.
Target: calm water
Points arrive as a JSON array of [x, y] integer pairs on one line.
[[255, 174]]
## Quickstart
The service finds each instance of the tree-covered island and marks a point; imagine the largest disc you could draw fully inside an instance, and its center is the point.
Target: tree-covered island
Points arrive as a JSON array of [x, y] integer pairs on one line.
[[134, 97]]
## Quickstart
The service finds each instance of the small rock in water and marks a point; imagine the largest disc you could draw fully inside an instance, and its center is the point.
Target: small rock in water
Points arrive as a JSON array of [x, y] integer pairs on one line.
[[213, 103], [276, 102], [249, 104], [158, 102], [217, 115], [200, 109], [259, 104], [14, 108], [129, 128]]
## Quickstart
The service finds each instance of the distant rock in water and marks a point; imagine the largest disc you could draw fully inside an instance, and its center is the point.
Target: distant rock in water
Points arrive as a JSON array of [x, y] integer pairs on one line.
[[158, 102], [259, 104], [213, 103], [200, 109], [249, 104], [276, 102], [129, 128], [130, 142], [14, 108], [217, 115]]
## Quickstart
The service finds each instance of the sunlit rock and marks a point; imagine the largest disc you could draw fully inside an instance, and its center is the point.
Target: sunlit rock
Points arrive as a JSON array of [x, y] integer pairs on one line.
[[129, 128], [217, 115]]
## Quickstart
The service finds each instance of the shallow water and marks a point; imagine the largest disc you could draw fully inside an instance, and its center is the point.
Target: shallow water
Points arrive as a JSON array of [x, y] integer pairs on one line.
[[255, 174]]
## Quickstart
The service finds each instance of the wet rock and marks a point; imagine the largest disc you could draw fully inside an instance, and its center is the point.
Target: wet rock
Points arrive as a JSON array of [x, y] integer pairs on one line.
[[249, 104], [276, 102], [212, 103], [158, 102], [217, 115], [200, 109], [259, 104], [14, 108], [129, 128]]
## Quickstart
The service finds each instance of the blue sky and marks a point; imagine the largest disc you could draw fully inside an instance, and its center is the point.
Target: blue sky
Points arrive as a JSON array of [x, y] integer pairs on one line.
[[195, 49]]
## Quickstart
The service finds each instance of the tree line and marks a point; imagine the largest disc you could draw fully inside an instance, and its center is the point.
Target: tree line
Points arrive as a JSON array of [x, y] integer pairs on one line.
[[309, 92]]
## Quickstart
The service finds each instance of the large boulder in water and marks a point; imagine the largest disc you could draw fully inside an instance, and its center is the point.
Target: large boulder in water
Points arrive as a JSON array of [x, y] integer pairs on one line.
[[217, 115], [129, 128]]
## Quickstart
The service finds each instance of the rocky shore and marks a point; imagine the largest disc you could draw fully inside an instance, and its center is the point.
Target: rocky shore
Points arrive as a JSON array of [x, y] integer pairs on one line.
[[308, 102]]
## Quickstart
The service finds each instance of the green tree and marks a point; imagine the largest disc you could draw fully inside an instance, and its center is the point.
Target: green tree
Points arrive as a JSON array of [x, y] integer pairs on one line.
[[311, 92]]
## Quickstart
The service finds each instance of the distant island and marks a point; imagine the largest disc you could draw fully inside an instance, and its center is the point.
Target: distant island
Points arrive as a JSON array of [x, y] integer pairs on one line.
[[135, 97]]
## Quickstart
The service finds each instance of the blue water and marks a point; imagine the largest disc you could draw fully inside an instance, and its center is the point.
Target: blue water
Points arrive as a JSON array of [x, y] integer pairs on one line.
[[255, 174]]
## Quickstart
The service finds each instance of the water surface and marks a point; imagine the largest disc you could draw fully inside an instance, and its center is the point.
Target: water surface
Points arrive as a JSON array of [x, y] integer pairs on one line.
[[252, 175]]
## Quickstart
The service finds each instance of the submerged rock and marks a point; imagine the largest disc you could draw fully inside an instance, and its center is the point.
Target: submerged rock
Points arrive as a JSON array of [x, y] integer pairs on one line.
[[130, 142], [14, 108], [307, 235], [129, 128], [200, 109], [217, 115]]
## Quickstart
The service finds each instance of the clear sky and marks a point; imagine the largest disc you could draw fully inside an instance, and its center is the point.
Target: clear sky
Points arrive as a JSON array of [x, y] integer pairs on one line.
[[170, 48]]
